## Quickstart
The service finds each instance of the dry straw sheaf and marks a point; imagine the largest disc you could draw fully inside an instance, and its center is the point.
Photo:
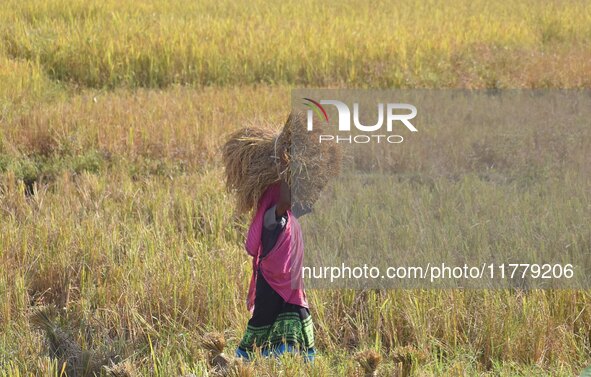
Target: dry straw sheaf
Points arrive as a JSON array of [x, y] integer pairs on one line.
[[64, 348], [255, 158], [223, 365], [369, 361]]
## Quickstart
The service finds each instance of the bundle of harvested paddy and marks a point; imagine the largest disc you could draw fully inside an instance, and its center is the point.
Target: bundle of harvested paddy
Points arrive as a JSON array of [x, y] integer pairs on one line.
[[222, 364], [256, 158], [369, 361], [215, 343], [63, 347]]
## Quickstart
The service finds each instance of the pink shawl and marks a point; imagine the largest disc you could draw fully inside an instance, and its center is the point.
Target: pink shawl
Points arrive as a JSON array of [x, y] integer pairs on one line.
[[282, 266]]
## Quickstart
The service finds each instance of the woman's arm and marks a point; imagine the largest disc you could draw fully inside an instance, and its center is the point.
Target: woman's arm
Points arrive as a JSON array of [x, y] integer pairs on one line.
[[284, 202]]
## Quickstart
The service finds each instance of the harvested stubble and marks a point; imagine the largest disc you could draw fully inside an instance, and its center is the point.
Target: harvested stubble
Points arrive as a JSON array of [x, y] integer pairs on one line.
[[255, 158]]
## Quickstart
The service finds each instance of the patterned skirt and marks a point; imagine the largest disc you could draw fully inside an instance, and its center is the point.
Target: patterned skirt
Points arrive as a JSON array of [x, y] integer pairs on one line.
[[277, 327]]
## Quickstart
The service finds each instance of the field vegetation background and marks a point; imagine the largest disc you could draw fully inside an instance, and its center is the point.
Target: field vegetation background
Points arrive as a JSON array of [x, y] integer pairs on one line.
[[112, 205]]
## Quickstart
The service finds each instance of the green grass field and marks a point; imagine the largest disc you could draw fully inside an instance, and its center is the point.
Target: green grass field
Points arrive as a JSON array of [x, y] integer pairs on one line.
[[112, 205]]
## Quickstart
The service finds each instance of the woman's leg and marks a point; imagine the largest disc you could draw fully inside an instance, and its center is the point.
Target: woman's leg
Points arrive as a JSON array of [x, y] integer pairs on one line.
[[267, 306], [293, 332]]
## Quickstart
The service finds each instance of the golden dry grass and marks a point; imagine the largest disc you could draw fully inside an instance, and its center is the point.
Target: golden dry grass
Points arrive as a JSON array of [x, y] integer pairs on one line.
[[112, 205]]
